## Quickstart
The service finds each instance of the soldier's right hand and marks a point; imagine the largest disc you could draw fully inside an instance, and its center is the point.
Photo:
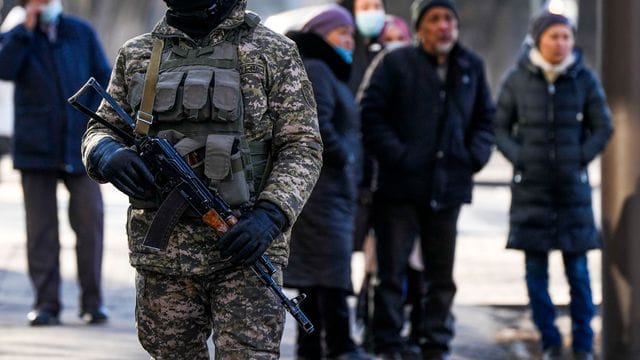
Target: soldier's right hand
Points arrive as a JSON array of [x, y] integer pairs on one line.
[[122, 167]]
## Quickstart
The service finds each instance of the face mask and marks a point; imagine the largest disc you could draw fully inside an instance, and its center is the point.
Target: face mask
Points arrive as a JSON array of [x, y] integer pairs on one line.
[[51, 11], [370, 22], [345, 54]]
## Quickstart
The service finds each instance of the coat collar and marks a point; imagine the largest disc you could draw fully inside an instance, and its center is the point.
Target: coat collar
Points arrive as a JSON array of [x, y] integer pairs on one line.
[[458, 56], [572, 71]]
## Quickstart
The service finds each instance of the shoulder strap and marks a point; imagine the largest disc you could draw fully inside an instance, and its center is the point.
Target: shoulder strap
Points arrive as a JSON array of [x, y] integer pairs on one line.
[[251, 19], [144, 117]]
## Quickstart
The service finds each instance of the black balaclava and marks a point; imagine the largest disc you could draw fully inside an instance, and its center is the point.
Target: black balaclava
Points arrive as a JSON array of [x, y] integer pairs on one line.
[[197, 18]]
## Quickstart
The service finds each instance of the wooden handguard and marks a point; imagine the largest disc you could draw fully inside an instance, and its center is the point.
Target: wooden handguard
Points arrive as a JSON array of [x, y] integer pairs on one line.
[[214, 220]]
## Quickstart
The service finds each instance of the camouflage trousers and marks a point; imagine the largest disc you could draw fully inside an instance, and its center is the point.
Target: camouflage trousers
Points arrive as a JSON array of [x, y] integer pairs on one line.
[[176, 315]]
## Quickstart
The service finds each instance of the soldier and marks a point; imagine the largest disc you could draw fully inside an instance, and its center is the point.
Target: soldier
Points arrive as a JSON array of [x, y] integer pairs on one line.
[[236, 96]]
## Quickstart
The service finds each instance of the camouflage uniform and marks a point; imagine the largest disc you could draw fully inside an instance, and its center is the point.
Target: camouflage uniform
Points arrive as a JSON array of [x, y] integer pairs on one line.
[[185, 289]]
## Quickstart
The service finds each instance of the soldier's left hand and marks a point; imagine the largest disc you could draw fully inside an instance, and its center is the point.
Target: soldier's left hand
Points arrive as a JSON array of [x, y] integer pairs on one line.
[[246, 241]]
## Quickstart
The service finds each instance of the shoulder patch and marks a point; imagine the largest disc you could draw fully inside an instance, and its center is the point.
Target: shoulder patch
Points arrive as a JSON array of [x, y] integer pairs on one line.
[[309, 96], [254, 68]]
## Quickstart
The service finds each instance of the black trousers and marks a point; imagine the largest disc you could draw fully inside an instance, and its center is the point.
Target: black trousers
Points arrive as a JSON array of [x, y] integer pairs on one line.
[[397, 224], [43, 243], [328, 310]]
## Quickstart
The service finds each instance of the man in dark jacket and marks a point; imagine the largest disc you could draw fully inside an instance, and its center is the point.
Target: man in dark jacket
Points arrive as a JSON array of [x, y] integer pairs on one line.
[[49, 56], [427, 117]]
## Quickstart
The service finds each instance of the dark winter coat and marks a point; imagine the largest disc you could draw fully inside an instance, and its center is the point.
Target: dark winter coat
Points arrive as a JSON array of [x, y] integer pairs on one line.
[[321, 239], [550, 132], [428, 136], [47, 130]]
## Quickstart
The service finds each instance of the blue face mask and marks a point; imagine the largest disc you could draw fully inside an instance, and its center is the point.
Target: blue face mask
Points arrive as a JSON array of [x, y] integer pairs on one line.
[[370, 22], [345, 54], [51, 12]]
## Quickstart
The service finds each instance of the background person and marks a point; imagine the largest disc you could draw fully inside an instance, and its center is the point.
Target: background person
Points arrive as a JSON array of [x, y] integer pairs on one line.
[[552, 121], [14, 17], [395, 32], [369, 17], [427, 118], [322, 237], [54, 54]]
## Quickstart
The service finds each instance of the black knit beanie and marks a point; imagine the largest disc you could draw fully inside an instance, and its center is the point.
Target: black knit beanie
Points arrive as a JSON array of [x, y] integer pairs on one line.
[[197, 18], [420, 7], [545, 20], [189, 5]]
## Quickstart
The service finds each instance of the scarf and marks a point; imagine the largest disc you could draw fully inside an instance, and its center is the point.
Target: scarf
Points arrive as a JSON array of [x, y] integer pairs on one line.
[[550, 71]]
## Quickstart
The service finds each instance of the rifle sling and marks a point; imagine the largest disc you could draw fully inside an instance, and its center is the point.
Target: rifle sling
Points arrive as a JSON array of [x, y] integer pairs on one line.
[[144, 117], [166, 218]]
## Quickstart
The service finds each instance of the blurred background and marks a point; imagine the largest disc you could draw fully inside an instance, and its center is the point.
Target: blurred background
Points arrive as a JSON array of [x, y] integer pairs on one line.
[[493, 28]]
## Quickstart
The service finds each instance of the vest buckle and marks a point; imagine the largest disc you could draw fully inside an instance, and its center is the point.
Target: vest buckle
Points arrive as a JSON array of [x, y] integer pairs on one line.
[[143, 122]]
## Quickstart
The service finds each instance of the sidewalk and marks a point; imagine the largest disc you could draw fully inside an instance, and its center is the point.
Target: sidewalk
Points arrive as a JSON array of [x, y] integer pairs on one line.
[[492, 319]]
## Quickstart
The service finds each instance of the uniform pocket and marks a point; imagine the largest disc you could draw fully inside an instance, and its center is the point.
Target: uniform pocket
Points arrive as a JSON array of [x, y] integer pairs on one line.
[[225, 168], [196, 94], [168, 96], [217, 164], [226, 95], [235, 189]]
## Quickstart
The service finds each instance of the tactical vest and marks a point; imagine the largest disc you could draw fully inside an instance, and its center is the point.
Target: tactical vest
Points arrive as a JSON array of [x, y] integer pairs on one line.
[[199, 108]]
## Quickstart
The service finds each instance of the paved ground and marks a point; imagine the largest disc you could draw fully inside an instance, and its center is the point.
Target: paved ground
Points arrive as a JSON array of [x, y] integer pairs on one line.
[[492, 318]]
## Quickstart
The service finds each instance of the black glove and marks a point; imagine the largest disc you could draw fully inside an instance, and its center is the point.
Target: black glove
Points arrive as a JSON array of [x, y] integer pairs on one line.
[[246, 241], [123, 168]]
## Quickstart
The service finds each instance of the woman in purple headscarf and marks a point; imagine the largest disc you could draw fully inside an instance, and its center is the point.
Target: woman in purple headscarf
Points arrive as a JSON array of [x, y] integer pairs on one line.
[[322, 238]]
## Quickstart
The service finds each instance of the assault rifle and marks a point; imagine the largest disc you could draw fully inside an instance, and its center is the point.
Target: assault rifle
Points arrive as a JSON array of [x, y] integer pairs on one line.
[[177, 183]]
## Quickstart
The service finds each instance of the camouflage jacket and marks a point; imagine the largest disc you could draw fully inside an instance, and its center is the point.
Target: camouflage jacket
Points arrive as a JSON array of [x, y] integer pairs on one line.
[[278, 106]]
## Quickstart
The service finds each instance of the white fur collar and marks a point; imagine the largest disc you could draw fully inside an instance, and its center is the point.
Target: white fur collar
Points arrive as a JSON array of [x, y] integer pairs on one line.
[[551, 71]]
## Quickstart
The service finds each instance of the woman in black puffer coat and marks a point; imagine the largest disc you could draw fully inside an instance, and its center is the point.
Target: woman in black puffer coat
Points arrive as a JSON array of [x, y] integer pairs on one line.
[[553, 120], [322, 237]]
